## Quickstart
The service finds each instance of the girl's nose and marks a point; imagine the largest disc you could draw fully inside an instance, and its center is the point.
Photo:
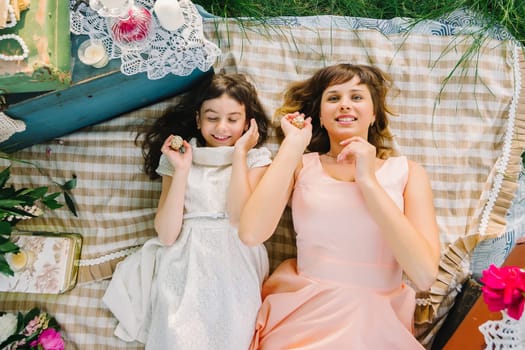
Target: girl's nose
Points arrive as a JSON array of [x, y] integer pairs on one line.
[[222, 124]]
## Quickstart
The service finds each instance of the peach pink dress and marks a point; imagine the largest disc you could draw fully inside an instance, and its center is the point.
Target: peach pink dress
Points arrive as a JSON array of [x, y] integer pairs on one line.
[[345, 290]]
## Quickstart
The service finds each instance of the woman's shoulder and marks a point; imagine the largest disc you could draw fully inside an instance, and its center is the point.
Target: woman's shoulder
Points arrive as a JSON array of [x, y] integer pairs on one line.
[[397, 161], [410, 169], [310, 157]]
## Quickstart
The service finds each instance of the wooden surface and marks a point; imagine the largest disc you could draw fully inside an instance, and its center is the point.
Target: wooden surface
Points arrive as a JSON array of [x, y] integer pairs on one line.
[[467, 336]]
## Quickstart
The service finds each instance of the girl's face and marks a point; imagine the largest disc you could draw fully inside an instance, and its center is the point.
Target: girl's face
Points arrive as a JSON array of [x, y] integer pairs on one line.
[[347, 110], [222, 121]]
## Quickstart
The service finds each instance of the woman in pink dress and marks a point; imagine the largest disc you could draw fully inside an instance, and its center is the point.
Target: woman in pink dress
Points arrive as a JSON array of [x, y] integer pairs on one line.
[[363, 217]]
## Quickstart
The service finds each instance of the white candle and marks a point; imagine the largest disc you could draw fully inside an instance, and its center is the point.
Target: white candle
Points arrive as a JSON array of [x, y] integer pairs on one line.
[[111, 4], [93, 53], [111, 8], [169, 14]]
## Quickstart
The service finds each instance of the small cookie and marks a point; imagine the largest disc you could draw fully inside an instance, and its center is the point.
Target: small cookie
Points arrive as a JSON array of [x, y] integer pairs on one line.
[[176, 142], [296, 120]]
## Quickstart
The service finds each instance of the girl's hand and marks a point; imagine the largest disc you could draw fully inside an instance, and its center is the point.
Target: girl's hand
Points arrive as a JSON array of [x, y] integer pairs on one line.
[[357, 149], [177, 159], [249, 139], [291, 131]]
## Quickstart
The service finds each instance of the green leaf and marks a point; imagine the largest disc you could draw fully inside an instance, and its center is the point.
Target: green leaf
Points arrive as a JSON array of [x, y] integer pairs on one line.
[[31, 314], [71, 184], [11, 339], [38, 192], [70, 203], [9, 247], [50, 202], [20, 324], [53, 323], [52, 195], [5, 228], [4, 267], [4, 176], [8, 203], [7, 192]]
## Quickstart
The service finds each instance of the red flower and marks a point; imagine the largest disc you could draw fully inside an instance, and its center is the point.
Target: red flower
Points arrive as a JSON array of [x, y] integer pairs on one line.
[[504, 289]]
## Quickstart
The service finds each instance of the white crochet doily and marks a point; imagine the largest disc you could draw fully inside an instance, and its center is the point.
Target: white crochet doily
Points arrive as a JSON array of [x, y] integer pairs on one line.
[[177, 52], [8, 126], [503, 334]]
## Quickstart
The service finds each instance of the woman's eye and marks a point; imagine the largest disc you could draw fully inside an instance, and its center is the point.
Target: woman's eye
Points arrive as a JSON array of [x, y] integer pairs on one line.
[[333, 98], [212, 119]]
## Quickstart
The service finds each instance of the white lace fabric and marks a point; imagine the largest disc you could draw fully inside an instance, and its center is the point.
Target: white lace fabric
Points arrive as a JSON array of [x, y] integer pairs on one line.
[[177, 52], [9, 126], [504, 334]]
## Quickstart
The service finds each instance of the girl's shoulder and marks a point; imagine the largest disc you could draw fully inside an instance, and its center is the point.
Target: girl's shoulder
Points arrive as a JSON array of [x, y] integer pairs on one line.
[[164, 168], [258, 157]]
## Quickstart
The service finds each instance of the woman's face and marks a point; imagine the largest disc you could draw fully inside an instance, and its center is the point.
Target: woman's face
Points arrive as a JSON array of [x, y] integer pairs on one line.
[[347, 110], [222, 121]]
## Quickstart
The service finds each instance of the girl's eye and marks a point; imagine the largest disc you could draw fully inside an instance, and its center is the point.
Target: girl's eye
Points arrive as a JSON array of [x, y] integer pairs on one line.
[[357, 97], [212, 119], [333, 98]]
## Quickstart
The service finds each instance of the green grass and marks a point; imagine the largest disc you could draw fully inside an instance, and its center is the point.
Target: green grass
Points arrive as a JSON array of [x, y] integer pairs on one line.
[[509, 14]]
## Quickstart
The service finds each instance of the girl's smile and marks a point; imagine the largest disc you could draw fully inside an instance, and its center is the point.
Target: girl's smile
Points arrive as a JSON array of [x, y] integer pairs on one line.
[[222, 121]]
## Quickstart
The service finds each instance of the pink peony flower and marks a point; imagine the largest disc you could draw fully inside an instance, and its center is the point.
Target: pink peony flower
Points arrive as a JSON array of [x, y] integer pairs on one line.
[[504, 289], [50, 339]]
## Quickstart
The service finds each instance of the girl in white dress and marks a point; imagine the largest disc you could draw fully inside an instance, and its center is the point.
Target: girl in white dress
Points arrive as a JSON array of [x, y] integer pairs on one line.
[[197, 286]]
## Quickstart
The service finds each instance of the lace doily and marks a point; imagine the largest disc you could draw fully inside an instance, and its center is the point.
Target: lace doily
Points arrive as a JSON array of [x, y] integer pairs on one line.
[[8, 126], [177, 52], [503, 334]]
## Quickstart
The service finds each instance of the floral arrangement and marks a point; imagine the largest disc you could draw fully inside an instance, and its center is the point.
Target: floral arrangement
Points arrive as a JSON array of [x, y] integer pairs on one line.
[[35, 330], [23, 204], [504, 289]]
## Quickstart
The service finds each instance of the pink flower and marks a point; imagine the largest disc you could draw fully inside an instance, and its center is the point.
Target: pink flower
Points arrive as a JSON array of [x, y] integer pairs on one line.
[[504, 289], [32, 326], [50, 339]]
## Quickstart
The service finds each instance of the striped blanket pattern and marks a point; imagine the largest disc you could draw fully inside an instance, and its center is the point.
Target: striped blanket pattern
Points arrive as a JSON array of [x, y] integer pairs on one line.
[[459, 114]]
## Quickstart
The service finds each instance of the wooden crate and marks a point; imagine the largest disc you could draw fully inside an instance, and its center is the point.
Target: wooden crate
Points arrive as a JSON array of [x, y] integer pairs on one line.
[[44, 27]]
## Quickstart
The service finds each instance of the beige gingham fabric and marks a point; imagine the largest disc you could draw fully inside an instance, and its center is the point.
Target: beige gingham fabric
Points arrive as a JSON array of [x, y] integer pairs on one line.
[[453, 117], [453, 114]]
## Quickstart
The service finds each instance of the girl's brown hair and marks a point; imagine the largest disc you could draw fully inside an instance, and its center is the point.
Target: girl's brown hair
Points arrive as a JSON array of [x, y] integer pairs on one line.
[[180, 118]]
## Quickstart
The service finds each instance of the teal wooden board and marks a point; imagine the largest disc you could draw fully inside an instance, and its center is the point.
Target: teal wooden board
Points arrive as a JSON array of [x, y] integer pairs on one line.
[[96, 95]]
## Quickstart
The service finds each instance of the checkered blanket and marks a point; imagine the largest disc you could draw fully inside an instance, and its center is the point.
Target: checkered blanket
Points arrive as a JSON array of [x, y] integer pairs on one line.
[[460, 114]]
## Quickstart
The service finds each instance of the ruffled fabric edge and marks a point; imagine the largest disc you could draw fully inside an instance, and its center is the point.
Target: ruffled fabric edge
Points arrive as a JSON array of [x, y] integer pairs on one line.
[[433, 305]]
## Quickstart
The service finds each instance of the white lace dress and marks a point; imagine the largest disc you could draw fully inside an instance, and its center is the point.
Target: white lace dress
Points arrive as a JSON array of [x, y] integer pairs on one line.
[[203, 292]]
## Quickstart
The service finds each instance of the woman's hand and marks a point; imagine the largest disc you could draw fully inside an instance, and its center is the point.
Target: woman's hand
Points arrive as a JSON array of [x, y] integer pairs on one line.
[[177, 159], [304, 134], [249, 139], [357, 149]]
